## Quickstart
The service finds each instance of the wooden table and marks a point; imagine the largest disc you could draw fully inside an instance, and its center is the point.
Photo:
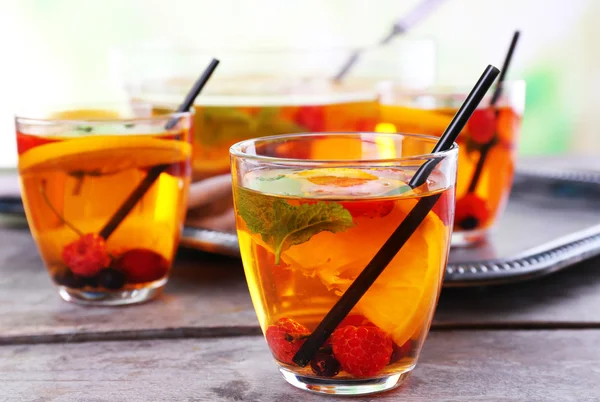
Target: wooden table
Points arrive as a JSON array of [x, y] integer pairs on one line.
[[200, 341]]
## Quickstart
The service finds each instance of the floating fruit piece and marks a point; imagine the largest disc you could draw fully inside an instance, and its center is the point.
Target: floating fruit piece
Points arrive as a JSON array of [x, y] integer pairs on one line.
[[103, 154], [356, 320], [471, 212], [142, 265], [311, 117], [337, 181], [87, 255], [482, 125], [285, 338], [368, 209], [324, 364], [508, 125], [336, 177], [413, 120], [111, 278], [339, 173], [362, 351], [85, 114], [25, 142]]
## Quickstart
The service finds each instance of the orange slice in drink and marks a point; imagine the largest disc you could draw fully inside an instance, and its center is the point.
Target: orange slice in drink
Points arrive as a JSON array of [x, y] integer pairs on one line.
[[85, 114], [402, 298], [413, 120], [103, 154], [339, 177]]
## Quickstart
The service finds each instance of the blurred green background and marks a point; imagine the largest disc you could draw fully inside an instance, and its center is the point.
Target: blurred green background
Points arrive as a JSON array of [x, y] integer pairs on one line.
[[59, 51]]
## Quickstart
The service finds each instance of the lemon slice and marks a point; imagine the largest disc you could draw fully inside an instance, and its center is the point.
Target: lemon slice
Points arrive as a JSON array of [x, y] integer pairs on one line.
[[103, 154], [402, 298]]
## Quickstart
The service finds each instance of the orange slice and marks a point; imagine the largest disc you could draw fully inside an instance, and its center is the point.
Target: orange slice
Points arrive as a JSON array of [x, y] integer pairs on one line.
[[85, 114], [103, 154], [412, 120], [340, 177]]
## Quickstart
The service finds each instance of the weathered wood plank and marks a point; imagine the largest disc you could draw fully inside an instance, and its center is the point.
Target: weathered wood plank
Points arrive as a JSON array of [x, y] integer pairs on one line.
[[207, 296], [455, 365], [569, 297]]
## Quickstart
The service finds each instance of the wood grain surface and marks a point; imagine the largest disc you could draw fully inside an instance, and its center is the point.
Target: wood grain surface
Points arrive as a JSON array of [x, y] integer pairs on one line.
[[455, 366], [207, 296]]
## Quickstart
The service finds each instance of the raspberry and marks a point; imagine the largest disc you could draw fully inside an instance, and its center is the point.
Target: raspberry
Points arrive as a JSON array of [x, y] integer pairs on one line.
[[369, 209], [142, 265], [87, 255], [356, 320], [471, 212], [362, 351], [482, 125], [285, 338], [311, 117], [25, 142]]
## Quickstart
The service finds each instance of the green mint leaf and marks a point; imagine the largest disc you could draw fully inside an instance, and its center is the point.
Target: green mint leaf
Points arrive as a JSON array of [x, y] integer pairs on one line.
[[279, 176], [282, 225]]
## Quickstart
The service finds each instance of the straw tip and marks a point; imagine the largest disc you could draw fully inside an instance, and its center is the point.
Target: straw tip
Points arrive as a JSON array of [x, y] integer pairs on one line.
[[492, 69]]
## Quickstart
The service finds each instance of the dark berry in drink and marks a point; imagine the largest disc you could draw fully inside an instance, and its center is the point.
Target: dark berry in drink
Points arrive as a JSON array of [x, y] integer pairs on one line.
[[111, 278]]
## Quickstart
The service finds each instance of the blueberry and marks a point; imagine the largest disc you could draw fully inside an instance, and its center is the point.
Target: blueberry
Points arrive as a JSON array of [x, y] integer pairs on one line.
[[469, 223], [324, 364], [91, 281], [69, 279], [111, 278]]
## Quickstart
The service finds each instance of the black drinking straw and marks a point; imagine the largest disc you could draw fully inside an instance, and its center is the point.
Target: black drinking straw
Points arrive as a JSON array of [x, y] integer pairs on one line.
[[400, 26], [154, 172], [401, 235], [485, 149]]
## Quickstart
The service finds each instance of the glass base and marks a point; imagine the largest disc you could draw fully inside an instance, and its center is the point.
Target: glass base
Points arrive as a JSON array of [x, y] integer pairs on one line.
[[468, 238], [345, 387], [112, 298]]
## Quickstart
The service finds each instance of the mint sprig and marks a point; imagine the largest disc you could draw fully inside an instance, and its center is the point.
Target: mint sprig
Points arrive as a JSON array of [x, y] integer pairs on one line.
[[282, 225]]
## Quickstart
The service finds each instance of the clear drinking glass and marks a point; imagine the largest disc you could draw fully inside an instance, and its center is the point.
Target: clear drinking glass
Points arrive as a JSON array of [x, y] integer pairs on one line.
[[262, 92], [487, 146], [311, 212], [104, 190]]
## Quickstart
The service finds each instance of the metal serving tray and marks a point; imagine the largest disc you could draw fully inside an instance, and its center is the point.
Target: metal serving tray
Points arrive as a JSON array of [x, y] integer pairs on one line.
[[552, 221]]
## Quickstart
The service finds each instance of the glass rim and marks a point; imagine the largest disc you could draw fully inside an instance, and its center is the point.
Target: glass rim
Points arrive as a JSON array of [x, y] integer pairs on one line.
[[29, 117], [438, 90], [236, 149]]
